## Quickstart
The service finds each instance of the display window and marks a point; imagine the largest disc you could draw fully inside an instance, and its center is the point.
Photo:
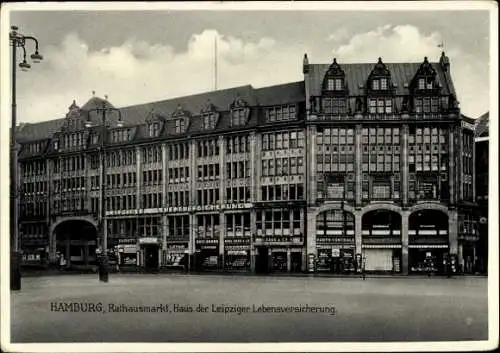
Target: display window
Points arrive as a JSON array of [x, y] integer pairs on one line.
[[237, 260]]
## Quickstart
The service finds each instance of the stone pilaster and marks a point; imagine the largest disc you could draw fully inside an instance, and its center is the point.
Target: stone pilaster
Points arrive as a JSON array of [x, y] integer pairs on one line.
[[404, 167], [288, 260], [254, 167], [452, 173], [164, 225], [359, 163], [193, 172], [253, 232], [138, 172], [193, 226], [222, 232], [311, 233], [256, 159], [164, 159], [52, 240], [310, 172], [358, 232], [453, 231], [222, 170], [404, 241]]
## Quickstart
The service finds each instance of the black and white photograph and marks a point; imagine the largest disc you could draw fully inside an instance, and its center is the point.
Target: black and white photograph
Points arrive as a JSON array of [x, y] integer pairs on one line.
[[249, 176]]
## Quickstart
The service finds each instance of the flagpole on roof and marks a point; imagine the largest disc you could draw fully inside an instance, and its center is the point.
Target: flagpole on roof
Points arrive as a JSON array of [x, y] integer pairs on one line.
[[215, 63]]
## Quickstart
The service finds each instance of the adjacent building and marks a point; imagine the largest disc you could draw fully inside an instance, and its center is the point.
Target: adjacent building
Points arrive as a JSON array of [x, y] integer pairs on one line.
[[355, 166], [482, 187]]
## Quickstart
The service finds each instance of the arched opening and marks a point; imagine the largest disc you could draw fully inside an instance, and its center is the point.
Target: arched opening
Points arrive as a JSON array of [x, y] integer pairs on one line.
[[76, 243], [427, 240], [381, 233], [335, 241]]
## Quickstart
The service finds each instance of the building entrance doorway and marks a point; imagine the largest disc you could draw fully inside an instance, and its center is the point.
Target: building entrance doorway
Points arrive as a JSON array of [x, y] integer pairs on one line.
[[262, 260], [76, 243], [151, 257]]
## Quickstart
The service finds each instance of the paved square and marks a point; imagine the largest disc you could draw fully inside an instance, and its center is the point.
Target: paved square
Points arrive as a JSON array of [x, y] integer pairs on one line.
[[378, 309]]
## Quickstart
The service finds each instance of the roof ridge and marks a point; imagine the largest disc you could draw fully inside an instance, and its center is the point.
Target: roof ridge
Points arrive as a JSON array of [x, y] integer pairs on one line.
[[188, 96]]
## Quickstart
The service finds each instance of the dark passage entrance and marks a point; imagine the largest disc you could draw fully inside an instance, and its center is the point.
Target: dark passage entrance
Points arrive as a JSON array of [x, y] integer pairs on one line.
[[151, 257], [262, 260]]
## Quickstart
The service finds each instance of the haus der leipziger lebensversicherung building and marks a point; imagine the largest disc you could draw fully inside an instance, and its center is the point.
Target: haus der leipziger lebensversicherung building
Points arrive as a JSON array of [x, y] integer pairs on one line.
[[368, 164]]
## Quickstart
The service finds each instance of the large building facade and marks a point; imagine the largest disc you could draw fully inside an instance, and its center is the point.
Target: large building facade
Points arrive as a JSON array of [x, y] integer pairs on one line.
[[356, 166]]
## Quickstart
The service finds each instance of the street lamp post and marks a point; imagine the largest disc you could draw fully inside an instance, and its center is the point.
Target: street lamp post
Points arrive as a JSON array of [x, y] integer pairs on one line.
[[103, 234], [17, 40]]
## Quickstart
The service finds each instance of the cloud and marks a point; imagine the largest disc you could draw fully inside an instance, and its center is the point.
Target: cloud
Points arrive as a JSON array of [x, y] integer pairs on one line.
[[139, 71], [408, 43]]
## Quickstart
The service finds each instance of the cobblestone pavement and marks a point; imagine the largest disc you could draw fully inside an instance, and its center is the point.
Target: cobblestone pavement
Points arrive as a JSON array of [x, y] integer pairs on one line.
[[378, 309]]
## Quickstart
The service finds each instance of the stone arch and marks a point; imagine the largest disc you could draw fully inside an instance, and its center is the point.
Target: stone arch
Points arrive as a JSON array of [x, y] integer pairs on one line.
[[381, 206], [329, 206], [429, 206], [60, 220], [76, 238]]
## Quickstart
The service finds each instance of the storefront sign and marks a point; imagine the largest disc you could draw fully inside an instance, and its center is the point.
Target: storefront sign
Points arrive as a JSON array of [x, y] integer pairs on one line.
[[335, 252], [278, 239], [127, 241], [237, 241], [208, 247], [127, 248], [177, 247], [148, 240], [182, 209], [336, 240], [200, 208], [207, 241]]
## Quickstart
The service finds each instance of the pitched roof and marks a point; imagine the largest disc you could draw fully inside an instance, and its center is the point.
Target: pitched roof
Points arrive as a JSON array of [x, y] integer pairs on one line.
[[281, 94], [356, 76], [482, 125], [136, 115], [133, 115], [39, 131]]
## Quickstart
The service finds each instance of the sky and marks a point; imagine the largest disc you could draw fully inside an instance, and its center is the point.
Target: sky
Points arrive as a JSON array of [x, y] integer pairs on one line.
[[135, 57]]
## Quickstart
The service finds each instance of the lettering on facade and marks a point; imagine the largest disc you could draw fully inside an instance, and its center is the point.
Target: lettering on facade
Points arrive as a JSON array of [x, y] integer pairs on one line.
[[207, 241], [184, 209]]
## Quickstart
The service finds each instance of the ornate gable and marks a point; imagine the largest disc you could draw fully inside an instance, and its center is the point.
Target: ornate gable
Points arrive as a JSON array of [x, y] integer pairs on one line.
[[74, 119], [425, 78], [182, 119], [379, 79], [209, 115], [334, 80], [240, 112]]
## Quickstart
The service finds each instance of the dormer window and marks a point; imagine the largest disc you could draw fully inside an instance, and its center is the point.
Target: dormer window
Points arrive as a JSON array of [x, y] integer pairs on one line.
[[424, 84], [209, 115], [154, 130], [238, 117], [380, 84], [334, 79], [380, 77], [334, 84], [209, 121], [425, 78], [239, 112], [180, 126]]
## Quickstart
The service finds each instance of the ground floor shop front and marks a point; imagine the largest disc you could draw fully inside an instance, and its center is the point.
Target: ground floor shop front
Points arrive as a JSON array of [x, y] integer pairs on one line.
[[334, 238]]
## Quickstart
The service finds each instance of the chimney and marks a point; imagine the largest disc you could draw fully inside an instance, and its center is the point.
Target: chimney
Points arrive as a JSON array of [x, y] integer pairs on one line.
[[444, 61], [305, 65]]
